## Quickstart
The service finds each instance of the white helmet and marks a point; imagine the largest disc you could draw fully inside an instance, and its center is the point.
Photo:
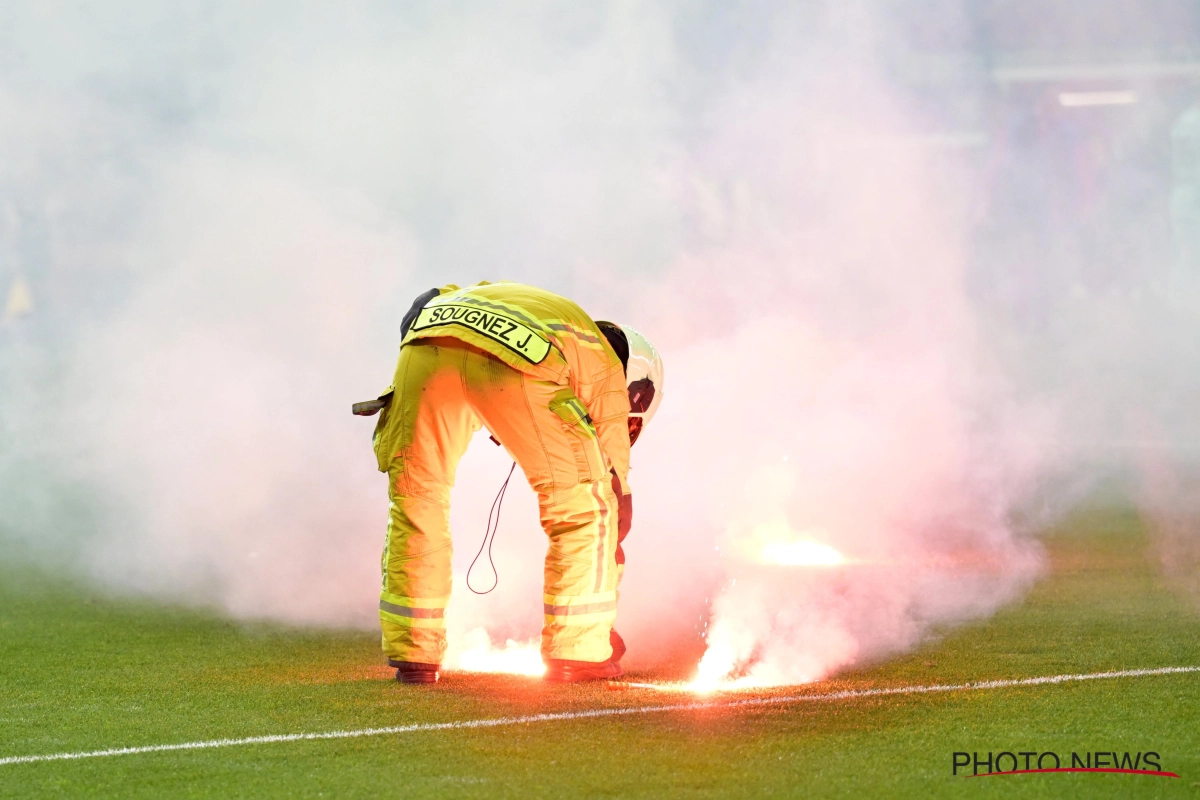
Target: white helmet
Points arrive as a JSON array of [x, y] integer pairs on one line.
[[643, 376]]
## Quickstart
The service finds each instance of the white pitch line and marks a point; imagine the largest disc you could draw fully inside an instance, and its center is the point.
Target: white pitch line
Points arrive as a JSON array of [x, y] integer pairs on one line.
[[851, 694]]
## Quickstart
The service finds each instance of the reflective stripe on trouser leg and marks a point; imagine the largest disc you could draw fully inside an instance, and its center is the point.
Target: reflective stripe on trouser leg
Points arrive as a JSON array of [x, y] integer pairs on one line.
[[581, 575], [585, 609], [426, 434], [416, 588], [415, 612]]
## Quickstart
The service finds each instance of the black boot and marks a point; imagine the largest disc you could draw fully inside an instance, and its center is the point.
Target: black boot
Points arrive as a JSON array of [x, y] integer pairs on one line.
[[414, 672]]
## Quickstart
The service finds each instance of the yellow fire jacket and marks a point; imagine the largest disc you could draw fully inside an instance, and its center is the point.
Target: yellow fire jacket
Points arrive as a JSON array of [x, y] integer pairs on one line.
[[545, 336]]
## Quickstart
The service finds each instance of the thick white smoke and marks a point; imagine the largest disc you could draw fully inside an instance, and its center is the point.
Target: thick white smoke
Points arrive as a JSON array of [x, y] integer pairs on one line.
[[235, 206], [835, 390], [214, 404]]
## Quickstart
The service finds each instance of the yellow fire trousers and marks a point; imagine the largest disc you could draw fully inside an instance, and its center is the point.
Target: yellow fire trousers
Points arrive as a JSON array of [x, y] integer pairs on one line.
[[444, 390]]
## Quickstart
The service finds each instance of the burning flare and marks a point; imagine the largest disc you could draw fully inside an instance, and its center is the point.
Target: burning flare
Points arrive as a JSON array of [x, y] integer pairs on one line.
[[803, 553], [720, 659], [474, 652], [776, 543], [730, 661]]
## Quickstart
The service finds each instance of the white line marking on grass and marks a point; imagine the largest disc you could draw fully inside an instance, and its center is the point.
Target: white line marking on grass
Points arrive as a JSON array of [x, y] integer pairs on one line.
[[851, 694]]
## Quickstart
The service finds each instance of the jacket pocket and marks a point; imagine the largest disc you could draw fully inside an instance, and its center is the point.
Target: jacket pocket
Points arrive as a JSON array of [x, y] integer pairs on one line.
[[581, 433], [381, 441]]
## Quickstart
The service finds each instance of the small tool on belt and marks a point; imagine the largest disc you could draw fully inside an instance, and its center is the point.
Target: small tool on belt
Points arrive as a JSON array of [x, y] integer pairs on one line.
[[369, 408]]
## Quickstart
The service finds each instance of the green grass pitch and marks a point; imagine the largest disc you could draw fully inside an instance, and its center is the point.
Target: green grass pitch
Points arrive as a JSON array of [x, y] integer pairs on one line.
[[87, 673]]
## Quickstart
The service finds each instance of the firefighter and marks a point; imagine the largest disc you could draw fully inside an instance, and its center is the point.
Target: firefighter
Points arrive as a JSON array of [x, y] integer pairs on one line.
[[566, 397]]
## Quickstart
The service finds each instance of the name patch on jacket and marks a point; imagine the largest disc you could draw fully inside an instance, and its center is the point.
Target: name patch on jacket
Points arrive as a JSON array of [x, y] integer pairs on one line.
[[511, 333]]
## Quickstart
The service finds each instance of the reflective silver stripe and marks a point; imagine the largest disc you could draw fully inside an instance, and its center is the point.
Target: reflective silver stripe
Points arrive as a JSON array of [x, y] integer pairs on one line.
[[587, 337], [415, 613], [591, 608], [602, 539], [475, 301], [580, 409]]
